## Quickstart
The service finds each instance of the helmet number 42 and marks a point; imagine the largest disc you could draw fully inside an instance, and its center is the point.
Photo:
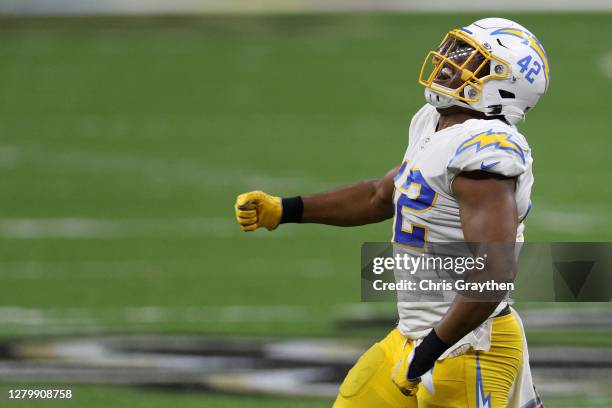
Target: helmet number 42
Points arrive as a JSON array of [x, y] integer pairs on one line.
[[532, 68]]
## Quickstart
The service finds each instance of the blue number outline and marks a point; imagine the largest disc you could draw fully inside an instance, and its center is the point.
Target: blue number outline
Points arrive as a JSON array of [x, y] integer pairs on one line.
[[524, 63], [533, 71], [416, 236], [416, 177]]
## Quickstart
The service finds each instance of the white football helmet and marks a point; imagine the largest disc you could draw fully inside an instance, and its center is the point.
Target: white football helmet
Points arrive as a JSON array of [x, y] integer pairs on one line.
[[494, 66]]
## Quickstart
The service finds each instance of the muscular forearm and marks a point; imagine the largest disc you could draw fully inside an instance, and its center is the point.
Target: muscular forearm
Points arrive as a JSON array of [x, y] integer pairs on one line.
[[489, 218], [469, 310], [355, 204], [459, 320]]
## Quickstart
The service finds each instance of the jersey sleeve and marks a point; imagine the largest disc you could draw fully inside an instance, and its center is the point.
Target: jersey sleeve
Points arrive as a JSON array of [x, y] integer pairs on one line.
[[500, 152]]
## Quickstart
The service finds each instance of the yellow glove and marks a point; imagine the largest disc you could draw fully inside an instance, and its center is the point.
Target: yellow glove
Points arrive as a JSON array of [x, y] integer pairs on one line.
[[257, 209]]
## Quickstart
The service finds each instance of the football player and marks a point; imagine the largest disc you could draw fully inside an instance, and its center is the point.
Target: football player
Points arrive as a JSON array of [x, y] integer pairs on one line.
[[466, 176]]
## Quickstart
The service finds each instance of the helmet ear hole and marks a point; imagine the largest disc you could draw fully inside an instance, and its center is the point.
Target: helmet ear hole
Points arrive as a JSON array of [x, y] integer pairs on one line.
[[506, 94]]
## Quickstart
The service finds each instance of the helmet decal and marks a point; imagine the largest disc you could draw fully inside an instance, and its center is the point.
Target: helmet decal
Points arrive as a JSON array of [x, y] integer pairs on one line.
[[491, 139], [532, 41]]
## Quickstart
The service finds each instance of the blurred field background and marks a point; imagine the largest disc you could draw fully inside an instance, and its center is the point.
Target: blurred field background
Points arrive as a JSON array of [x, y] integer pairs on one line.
[[124, 141]]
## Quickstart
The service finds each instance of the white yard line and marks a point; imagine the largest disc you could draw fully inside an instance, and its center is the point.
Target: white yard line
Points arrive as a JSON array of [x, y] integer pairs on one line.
[[83, 270], [76, 317], [567, 221], [9, 157], [606, 64], [31, 228], [73, 227], [157, 171]]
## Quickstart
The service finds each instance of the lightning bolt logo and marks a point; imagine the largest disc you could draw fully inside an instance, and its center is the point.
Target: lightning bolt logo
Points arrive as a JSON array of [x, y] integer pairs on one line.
[[482, 401], [494, 140], [530, 40]]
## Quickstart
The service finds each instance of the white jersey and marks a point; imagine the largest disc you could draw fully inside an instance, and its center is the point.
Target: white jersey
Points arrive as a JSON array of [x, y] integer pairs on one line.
[[426, 209]]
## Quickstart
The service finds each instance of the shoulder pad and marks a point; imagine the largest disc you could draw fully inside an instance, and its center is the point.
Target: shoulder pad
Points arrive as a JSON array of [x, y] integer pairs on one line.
[[494, 150]]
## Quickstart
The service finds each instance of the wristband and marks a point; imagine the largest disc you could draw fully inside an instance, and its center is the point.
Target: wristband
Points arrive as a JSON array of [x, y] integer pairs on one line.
[[425, 355], [293, 208]]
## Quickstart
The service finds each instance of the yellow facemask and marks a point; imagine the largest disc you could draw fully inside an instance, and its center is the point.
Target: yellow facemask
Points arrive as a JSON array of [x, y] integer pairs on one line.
[[461, 62]]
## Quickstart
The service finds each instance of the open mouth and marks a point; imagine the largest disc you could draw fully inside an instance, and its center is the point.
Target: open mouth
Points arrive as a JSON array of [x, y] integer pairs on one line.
[[445, 74]]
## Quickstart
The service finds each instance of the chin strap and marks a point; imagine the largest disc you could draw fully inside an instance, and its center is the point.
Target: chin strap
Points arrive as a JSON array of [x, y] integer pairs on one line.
[[438, 100], [512, 114]]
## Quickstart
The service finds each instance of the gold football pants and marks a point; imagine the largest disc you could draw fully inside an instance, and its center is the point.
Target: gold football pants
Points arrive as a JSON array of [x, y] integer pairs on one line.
[[475, 379]]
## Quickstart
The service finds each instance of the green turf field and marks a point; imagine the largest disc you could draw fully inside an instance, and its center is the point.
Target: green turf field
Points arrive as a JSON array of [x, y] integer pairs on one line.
[[123, 144]]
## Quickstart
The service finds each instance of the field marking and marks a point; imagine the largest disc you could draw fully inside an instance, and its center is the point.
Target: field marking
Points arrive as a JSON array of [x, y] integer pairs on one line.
[[606, 64], [74, 227], [157, 171], [32, 317], [564, 221], [9, 157], [79, 270], [74, 318]]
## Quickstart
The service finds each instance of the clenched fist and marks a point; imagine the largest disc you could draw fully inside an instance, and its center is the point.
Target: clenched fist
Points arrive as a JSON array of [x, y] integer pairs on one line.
[[257, 209]]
